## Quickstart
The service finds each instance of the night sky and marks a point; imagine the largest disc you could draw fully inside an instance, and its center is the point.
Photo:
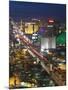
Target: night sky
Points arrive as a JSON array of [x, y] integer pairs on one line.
[[18, 10]]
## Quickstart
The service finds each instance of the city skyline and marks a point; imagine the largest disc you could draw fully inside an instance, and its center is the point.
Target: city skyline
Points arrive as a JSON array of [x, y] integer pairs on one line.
[[27, 10]]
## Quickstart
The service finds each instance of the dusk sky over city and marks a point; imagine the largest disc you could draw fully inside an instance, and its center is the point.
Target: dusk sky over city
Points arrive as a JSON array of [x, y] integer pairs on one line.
[[20, 10]]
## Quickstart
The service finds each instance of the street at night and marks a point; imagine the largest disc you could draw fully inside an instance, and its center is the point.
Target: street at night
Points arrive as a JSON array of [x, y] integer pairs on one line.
[[37, 45]]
